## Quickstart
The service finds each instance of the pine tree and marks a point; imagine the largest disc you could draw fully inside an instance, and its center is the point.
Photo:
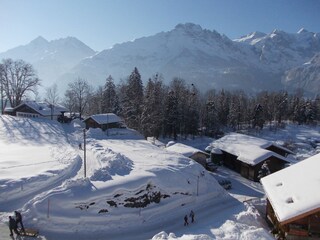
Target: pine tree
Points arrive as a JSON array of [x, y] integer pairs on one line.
[[133, 100], [309, 112], [192, 112], [233, 113], [264, 98], [211, 121], [222, 106], [299, 110], [171, 116], [152, 115], [110, 98], [281, 106], [258, 119]]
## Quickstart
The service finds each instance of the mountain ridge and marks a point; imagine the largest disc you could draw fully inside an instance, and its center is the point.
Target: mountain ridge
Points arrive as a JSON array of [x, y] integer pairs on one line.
[[257, 61], [49, 58]]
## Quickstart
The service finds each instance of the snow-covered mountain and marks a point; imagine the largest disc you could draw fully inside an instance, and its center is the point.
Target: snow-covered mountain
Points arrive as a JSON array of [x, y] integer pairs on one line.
[[305, 76], [206, 58], [200, 56], [257, 61], [280, 51], [288, 54], [51, 58]]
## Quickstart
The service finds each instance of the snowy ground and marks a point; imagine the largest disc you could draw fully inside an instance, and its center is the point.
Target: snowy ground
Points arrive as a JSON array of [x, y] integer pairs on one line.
[[133, 190]]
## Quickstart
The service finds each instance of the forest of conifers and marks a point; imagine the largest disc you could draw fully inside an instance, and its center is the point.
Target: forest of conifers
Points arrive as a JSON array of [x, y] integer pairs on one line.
[[157, 109]]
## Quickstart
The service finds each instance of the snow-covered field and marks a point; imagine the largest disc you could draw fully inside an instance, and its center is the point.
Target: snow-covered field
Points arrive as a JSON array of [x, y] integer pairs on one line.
[[133, 189]]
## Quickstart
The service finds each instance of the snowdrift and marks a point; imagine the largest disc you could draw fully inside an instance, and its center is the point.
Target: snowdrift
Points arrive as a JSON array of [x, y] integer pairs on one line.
[[34, 156], [132, 190]]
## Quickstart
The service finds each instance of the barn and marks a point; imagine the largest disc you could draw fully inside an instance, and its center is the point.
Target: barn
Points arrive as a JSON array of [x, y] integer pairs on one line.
[[293, 200], [247, 154], [104, 121]]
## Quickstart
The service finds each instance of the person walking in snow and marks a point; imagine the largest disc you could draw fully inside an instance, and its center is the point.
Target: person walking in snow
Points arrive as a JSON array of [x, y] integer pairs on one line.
[[192, 216], [186, 220], [12, 226], [19, 220]]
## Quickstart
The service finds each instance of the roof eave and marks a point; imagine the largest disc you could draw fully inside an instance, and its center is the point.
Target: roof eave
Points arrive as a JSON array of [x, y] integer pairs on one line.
[[299, 216]]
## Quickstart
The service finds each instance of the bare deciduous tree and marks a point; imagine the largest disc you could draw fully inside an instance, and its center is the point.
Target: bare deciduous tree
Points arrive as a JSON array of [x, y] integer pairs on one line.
[[78, 95], [17, 79], [52, 97], [52, 94]]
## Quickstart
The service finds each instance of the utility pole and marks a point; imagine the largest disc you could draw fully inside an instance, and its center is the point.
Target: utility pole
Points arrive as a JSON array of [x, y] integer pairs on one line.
[[107, 124], [198, 186], [84, 153]]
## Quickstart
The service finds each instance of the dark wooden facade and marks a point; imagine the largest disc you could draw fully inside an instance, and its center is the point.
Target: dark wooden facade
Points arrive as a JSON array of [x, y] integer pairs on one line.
[[303, 227], [91, 123], [278, 150], [251, 171]]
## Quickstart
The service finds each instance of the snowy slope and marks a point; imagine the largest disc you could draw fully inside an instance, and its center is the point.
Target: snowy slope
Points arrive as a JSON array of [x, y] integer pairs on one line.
[[132, 180], [35, 155], [133, 189], [306, 76]]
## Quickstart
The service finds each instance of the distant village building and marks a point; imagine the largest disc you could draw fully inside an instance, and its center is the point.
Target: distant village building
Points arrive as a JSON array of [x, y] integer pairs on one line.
[[104, 121], [33, 109], [190, 152], [247, 154], [293, 200]]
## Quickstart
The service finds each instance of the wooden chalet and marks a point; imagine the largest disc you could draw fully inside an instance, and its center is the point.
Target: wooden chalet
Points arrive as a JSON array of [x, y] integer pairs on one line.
[[293, 200], [190, 152], [33, 109], [246, 154], [104, 121]]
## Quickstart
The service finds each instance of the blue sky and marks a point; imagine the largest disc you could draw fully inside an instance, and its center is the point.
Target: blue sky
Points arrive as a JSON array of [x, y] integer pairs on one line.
[[102, 23]]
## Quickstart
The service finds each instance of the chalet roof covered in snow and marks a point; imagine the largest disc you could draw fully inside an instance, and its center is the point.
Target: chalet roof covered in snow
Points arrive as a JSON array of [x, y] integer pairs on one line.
[[105, 118], [248, 149], [294, 191], [43, 108], [183, 149]]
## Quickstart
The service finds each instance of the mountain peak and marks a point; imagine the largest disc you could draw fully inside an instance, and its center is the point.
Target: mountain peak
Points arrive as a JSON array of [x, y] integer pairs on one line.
[[277, 31], [72, 42], [303, 30], [39, 41], [67, 40], [252, 36], [258, 34], [189, 27]]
